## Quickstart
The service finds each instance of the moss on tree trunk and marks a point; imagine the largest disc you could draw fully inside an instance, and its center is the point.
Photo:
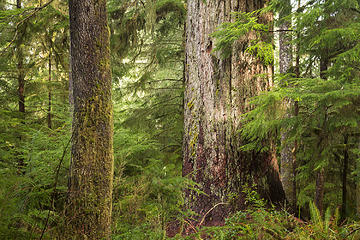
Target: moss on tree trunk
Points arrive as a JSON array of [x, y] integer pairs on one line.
[[90, 189]]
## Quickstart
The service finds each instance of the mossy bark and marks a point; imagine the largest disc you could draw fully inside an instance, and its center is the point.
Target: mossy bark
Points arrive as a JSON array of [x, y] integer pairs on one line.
[[90, 184], [357, 165], [49, 115], [217, 92]]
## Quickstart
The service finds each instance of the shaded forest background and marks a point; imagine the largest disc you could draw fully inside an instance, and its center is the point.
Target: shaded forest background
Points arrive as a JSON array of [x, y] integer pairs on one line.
[[311, 113]]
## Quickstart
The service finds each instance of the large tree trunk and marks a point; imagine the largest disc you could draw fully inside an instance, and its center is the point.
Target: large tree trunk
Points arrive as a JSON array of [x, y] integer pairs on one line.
[[287, 161], [90, 190], [217, 92]]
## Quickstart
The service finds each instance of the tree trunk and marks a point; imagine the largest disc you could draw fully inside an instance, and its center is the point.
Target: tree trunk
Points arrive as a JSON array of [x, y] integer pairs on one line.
[[357, 165], [49, 95], [298, 46], [287, 155], [319, 190], [21, 30], [217, 92], [344, 178], [20, 65], [320, 175], [90, 190]]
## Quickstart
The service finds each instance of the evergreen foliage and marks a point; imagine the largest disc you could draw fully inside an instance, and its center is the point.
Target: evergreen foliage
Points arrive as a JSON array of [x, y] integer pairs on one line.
[[147, 45], [327, 99], [244, 22]]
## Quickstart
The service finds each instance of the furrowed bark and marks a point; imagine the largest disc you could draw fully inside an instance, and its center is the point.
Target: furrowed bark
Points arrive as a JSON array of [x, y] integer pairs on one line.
[[217, 92], [89, 202]]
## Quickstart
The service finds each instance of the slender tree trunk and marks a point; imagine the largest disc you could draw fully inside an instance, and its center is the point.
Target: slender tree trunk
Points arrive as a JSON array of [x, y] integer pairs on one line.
[[20, 65], [319, 190], [320, 175], [90, 190], [287, 156], [49, 95], [21, 84], [296, 111], [344, 179], [217, 92], [285, 45]]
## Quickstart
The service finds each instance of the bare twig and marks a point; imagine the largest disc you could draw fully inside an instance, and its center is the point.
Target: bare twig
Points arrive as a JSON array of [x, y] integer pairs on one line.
[[203, 218], [353, 231], [192, 226], [281, 30]]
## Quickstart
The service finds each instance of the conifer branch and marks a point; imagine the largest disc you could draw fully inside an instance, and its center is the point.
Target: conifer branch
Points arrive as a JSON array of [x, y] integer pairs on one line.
[[281, 30], [35, 10]]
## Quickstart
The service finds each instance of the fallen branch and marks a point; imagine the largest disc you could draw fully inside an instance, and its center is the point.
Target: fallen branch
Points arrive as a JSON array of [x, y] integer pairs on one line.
[[203, 218]]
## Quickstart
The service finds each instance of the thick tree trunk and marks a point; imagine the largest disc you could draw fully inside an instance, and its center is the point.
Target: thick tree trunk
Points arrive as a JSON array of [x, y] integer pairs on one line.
[[287, 153], [217, 92], [90, 190]]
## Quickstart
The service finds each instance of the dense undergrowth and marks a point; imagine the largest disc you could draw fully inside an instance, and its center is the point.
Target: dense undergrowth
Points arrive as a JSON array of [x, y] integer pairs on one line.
[[261, 222]]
